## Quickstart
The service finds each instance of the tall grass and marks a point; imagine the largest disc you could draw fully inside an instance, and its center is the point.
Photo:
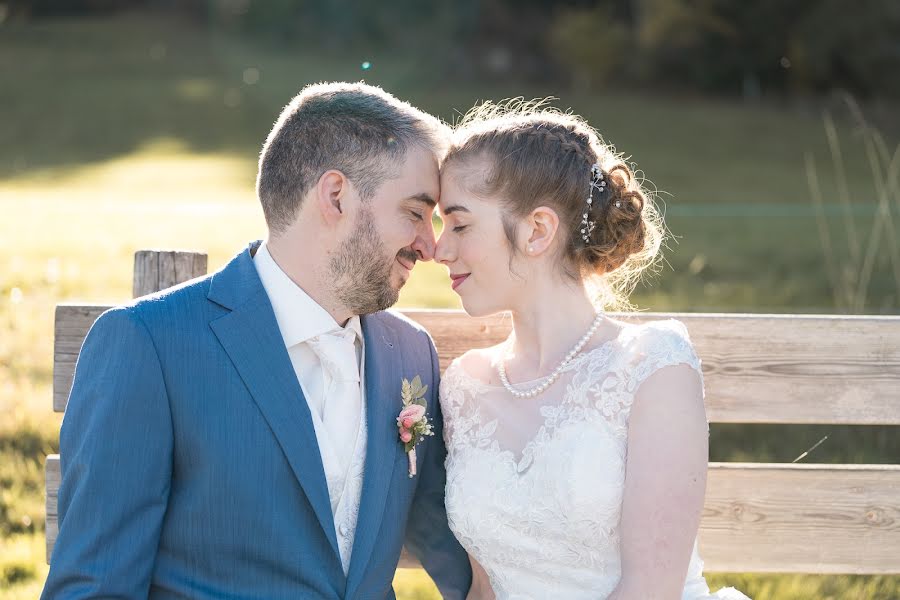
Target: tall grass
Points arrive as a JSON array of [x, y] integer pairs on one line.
[[850, 271]]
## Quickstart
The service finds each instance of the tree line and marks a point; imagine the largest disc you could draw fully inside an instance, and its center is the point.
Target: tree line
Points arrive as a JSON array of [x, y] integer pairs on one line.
[[763, 47]]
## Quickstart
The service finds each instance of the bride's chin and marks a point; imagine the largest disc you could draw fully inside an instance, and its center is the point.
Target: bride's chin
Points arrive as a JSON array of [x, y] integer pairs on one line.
[[474, 310]]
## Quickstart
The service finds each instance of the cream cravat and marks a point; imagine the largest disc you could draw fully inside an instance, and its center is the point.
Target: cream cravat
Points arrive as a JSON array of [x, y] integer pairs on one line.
[[342, 402]]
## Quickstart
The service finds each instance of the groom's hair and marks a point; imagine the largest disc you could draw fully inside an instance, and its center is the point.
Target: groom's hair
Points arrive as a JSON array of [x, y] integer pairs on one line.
[[355, 128]]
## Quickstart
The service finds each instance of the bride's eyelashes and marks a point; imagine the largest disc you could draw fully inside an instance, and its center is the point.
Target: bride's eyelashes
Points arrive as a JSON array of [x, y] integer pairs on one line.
[[459, 228]]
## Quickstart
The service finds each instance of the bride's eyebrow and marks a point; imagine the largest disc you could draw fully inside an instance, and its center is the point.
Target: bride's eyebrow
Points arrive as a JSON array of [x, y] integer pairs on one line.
[[455, 208]]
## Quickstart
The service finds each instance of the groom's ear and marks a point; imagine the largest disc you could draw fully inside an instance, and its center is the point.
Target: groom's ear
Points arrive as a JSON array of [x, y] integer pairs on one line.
[[331, 195]]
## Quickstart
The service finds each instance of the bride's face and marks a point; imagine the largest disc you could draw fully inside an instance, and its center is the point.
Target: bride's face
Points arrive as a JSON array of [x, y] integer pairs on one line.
[[475, 249]]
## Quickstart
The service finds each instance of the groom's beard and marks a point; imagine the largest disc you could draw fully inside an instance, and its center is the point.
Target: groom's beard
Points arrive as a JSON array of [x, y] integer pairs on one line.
[[360, 271]]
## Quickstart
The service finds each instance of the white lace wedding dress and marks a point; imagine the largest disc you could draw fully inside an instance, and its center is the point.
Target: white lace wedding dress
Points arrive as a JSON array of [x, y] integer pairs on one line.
[[534, 486]]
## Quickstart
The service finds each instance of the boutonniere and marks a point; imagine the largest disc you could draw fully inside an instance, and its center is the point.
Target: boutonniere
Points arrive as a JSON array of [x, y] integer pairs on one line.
[[412, 422]]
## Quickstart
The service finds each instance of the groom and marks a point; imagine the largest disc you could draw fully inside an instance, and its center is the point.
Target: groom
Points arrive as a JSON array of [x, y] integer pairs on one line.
[[236, 437]]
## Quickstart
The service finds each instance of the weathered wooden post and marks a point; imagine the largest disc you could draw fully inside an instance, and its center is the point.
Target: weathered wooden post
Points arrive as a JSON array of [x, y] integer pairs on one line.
[[154, 270]]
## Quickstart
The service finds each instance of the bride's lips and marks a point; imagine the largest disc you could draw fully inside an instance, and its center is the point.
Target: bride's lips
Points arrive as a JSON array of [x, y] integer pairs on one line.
[[458, 279]]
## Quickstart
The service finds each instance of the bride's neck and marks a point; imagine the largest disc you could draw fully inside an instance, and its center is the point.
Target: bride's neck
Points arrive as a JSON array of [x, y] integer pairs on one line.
[[547, 323]]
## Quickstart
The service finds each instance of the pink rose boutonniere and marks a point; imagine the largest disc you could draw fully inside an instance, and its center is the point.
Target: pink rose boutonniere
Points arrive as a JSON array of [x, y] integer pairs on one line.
[[412, 422]]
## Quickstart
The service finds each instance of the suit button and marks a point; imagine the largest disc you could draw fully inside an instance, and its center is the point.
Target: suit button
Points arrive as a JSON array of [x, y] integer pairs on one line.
[[343, 530]]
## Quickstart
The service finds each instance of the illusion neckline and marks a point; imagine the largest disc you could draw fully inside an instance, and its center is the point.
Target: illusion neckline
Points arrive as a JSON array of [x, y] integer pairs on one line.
[[521, 461]]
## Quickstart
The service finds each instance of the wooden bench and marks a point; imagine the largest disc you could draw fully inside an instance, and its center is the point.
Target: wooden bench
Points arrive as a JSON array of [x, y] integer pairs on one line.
[[758, 517]]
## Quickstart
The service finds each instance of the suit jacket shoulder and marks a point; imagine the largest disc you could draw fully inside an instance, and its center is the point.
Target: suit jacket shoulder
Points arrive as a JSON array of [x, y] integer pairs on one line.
[[402, 326], [178, 312]]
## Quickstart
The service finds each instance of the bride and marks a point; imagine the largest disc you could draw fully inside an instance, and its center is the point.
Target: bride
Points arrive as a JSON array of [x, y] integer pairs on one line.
[[578, 447]]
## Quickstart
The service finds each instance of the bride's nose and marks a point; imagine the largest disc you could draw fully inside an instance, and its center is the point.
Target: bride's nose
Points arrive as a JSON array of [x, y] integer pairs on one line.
[[444, 252]]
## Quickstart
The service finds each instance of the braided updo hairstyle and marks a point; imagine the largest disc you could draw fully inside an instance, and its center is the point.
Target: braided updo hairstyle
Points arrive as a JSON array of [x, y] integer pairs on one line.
[[528, 155]]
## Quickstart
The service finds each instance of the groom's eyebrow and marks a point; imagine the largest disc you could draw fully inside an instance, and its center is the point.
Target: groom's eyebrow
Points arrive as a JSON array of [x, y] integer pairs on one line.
[[424, 198]]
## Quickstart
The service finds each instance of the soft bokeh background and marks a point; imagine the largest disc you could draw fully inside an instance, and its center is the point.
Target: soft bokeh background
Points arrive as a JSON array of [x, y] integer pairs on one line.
[[770, 129]]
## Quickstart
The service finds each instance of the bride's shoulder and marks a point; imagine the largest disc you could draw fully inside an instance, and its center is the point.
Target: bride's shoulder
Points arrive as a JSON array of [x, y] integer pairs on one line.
[[654, 338], [655, 344], [477, 363], [671, 330], [463, 380]]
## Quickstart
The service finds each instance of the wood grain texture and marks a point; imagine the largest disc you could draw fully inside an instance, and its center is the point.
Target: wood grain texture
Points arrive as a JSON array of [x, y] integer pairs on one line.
[[146, 273], [802, 518], [774, 518], [72, 323], [757, 368], [52, 478], [156, 270]]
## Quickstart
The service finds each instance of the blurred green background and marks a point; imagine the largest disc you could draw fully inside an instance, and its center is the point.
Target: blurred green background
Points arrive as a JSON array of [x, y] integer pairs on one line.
[[770, 130]]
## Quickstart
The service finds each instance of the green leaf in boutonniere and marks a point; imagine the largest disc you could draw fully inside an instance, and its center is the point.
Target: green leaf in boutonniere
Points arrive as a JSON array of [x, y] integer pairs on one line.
[[413, 392]]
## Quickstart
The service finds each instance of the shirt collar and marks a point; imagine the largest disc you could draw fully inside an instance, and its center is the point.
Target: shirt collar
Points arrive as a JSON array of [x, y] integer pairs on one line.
[[299, 317]]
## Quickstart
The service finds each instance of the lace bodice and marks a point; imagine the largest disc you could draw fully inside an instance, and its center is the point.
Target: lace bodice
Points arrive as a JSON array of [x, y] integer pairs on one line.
[[534, 486]]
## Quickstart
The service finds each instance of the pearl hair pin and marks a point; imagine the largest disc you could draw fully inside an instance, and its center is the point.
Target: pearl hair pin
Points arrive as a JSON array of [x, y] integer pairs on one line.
[[551, 379]]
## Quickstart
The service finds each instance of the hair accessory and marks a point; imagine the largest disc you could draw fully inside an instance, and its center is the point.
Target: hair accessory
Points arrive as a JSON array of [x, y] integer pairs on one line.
[[598, 182]]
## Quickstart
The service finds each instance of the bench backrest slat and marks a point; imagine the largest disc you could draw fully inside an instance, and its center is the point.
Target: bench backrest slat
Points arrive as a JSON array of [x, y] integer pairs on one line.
[[767, 518], [757, 368]]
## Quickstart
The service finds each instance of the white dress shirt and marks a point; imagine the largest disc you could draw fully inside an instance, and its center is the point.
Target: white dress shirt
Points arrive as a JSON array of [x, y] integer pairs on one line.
[[301, 319]]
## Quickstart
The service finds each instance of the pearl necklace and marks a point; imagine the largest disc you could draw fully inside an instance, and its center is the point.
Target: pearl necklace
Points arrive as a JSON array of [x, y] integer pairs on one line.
[[540, 388]]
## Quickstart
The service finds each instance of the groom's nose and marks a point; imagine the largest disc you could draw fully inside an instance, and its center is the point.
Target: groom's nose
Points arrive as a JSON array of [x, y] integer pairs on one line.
[[424, 242]]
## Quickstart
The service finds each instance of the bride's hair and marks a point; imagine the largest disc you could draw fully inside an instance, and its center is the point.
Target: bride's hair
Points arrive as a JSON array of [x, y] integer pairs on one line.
[[528, 155]]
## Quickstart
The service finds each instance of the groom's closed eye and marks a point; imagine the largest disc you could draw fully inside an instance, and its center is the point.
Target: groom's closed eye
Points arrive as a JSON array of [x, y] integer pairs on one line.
[[420, 205], [423, 199]]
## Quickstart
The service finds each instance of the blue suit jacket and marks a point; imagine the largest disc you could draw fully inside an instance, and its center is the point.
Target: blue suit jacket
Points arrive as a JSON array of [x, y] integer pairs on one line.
[[190, 467]]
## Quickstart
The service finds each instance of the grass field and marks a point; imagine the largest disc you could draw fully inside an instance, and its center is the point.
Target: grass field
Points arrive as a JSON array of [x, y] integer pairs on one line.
[[138, 133]]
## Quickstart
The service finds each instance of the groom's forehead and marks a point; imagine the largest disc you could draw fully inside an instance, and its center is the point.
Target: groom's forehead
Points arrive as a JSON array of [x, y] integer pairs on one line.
[[419, 177]]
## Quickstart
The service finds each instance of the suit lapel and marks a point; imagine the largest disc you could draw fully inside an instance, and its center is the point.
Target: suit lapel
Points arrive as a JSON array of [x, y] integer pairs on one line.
[[383, 404], [250, 336]]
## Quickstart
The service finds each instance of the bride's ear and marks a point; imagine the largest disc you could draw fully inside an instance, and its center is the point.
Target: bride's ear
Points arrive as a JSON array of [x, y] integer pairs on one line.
[[541, 228]]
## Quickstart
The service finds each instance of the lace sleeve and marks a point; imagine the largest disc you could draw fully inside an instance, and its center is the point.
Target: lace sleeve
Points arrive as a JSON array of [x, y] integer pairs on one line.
[[663, 344], [452, 397]]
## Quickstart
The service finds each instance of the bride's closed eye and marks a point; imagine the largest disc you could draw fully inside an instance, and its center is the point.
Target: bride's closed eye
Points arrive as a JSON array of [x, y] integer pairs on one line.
[[459, 228]]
